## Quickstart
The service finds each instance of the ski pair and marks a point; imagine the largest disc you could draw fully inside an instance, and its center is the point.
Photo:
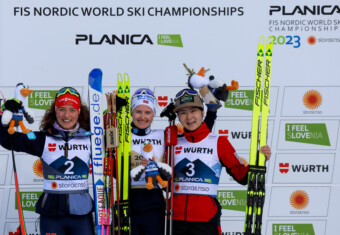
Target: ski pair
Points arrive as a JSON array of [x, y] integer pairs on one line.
[[111, 145], [122, 207], [103, 166], [257, 160]]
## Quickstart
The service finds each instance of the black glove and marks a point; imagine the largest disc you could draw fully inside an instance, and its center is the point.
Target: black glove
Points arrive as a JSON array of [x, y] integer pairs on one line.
[[168, 111], [120, 102], [221, 93], [13, 105]]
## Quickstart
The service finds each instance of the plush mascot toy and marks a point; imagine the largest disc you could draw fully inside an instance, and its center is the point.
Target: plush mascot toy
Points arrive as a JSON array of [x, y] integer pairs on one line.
[[211, 89], [15, 109], [155, 172]]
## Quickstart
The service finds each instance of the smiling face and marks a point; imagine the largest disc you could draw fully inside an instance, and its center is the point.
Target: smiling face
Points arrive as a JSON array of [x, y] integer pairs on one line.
[[142, 116], [67, 116], [190, 117]]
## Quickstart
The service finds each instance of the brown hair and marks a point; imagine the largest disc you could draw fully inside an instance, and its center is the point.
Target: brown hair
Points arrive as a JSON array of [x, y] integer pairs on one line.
[[50, 117]]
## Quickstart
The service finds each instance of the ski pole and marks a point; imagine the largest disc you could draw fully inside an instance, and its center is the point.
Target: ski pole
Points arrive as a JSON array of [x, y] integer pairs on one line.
[[21, 215], [170, 142], [105, 212]]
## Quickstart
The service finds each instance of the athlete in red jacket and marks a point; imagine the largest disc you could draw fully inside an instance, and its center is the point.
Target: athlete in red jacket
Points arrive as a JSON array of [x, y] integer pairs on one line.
[[199, 158]]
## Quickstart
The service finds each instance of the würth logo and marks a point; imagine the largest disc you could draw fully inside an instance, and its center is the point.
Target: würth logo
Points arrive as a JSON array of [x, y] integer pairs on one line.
[[178, 149], [162, 101], [198, 150], [52, 147], [284, 168], [223, 132]]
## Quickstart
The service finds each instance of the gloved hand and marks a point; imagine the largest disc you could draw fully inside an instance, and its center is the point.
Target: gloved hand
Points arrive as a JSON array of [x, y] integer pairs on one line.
[[12, 105], [213, 107], [168, 111]]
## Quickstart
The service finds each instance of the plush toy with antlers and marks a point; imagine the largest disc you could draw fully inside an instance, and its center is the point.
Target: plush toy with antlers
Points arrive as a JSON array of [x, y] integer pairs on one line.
[[211, 89]]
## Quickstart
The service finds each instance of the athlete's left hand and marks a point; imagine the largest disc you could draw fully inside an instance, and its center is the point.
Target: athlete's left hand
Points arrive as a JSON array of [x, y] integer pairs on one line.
[[145, 161], [266, 151]]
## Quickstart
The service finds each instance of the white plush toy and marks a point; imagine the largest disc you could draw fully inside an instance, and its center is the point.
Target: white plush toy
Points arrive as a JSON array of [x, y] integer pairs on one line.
[[211, 89], [15, 109]]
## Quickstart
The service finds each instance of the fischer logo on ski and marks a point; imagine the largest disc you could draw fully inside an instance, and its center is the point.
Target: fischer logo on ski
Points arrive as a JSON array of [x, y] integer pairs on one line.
[[257, 160]]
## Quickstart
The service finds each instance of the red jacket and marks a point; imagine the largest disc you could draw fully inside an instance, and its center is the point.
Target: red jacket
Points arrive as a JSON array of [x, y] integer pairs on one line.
[[201, 208]]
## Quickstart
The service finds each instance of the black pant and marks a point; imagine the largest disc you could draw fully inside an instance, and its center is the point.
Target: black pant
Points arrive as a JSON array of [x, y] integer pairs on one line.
[[67, 225], [195, 228], [148, 222]]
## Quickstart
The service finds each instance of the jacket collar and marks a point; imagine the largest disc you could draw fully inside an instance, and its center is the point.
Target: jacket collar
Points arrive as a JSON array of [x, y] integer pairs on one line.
[[50, 130], [197, 135]]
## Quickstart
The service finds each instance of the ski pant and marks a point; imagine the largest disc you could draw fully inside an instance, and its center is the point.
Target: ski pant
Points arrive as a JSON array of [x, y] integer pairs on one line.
[[195, 228], [149, 222], [67, 225]]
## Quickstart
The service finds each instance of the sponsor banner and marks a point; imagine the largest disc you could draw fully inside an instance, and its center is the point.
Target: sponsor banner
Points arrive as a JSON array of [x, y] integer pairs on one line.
[[169, 40], [240, 102], [42, 97], [232, 227], [299, 201], [304, 18], [165, 94], [307, 134], [311, 168], [239, 132], [225, 178], [29, 198], [65, 185], [39, 100], [310, 101], [29, 170], [290, 227], [3, 168], [233, 200], [12, 228]]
